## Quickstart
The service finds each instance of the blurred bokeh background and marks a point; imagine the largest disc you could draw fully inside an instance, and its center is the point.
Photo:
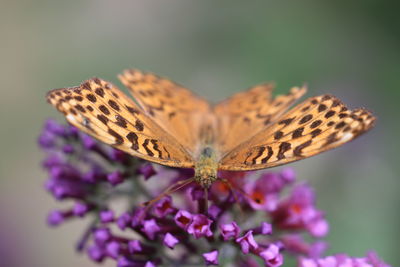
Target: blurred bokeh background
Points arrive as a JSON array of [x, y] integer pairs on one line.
[[348, 48]]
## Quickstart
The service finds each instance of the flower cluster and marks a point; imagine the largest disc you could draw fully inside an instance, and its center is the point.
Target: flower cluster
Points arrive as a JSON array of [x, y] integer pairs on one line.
[[254, 218]]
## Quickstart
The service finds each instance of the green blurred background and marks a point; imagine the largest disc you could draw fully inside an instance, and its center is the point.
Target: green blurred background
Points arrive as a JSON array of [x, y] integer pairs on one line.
[[348, 48]]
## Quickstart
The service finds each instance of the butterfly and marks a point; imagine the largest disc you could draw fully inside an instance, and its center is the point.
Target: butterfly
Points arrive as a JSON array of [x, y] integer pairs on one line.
[[169, 125]]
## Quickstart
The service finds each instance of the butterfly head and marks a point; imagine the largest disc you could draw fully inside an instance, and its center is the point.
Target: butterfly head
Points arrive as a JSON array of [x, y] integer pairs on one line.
[[206, 168]]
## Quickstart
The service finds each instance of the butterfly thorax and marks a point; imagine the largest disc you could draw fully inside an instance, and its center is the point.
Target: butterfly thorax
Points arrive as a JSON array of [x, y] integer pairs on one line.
[[206, 167]]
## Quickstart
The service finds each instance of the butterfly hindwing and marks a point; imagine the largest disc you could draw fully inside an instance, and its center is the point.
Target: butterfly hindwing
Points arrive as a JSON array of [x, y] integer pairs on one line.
[[316, 125], [104, 112]]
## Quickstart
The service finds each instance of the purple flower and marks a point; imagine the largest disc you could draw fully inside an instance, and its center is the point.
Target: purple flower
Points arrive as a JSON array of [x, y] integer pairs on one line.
[[102, 235], [170, 240], [163, 207], [96, 253], [214, 211], [88, 142], [266, 228], [47, 140], [200, 226], [272, 256], [149, 264], [115, 178], [119, 156], [113, 249], [135, 246], [183, 219], [52, 126], [247, 242], [56, 217], [80, 209], [85, 172], [211, 258], [147, 170], [299, 212], [263, 194], [138, 215], [150, 228], [106, 216], [230, 230], [68, 149], [288, 175], [124, 220]]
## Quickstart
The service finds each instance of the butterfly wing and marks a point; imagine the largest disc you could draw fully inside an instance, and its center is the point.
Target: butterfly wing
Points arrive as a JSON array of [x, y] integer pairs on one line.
[[316, 125], [177, 110], [104, 112], [250, 112]]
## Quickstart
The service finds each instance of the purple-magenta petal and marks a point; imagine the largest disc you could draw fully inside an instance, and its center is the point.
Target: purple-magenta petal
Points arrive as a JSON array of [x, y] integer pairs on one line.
[[247, 242], [288, 175], [229, 230], [115, 178], [54, 127], [124, 220], [200, 226], [118, 155], [183, 219], [147, 170], [170, 240], [134, 246], [138, 216], [47, 140], [164, 207], [272, 256], [214, 211], [106, 216], [319, 228], [55, 218], [96, 253], [88, 142], [266, 228], [211, 258], [149, 264], [113, 249], [80, 209], [68, 149], [150, 228], [102, 235]]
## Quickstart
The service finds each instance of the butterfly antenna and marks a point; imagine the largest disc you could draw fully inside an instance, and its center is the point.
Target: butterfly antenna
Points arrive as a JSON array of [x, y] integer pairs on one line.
[[171, 189]]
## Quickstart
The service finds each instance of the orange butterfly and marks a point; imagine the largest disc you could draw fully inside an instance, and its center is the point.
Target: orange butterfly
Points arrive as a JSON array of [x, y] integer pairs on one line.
[[172, 126]]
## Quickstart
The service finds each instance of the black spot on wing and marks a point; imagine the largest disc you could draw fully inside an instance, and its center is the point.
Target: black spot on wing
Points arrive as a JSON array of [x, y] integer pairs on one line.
[[282, 149], [145, 146], [118, 138]]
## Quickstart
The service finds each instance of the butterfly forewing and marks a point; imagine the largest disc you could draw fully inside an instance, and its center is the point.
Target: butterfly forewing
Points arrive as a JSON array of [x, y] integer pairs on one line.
[[104, 112], [177, 110], [247, 113], [314, 126]]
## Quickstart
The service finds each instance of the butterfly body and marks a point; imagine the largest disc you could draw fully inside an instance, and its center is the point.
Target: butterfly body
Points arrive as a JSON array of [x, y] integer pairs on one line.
[[171, 126], [206, 167]]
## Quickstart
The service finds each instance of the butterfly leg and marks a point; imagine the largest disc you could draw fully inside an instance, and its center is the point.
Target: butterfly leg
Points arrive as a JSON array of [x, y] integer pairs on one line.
[[171, 189], [234, 193], [203, 203]]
